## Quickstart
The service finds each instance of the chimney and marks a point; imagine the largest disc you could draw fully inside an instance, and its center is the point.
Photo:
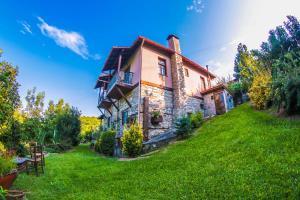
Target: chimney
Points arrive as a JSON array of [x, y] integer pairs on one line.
[[174, 44]]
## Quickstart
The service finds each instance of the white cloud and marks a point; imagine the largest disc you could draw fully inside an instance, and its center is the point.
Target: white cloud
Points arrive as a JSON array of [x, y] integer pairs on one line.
[[220, 69], [67, 39], [26, 28], [223, 49], [196, 5]]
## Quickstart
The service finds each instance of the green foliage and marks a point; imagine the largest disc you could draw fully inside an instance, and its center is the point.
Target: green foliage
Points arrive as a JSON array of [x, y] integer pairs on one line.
[[2, 191], [21, 150], [281, 56], [196, 119], [155, 114], [68, 127], [2, 148], [238, 155], [106, 143], [34, 104], [260, 90], [9, 96], [183, 127], [89, 125], [132, 140], [286, 82], [6, 166]]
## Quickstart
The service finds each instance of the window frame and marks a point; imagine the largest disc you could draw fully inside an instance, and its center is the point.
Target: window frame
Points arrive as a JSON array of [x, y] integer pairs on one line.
[[123, 118], [186, 72], [160, 66]]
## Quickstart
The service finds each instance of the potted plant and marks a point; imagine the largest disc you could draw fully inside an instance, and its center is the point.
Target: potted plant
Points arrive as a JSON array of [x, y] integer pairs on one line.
[[8, 173], [156, 118]]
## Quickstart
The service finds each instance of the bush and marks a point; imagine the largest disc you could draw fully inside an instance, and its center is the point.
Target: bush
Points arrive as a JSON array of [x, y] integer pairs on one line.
[[106, 143], [132, 140], [183, 127], [6, 166], [58, 148], [260, 90], [21, 150], [196, 119]]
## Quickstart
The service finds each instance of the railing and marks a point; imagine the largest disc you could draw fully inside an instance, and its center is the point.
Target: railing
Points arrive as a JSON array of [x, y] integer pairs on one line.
[[101, 97], [122, 77]]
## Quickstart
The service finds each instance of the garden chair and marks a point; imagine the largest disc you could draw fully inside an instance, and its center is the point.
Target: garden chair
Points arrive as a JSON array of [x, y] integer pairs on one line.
[[36, 159]]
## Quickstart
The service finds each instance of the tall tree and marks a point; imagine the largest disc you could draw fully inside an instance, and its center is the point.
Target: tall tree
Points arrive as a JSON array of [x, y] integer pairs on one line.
[[34, 103], [9, 96], [237, 61]]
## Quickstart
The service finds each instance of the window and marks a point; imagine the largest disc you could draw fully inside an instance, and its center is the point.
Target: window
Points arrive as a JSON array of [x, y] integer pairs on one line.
[[186, 72], [162, 67], [125, 117], [108, 122], [203, 86]]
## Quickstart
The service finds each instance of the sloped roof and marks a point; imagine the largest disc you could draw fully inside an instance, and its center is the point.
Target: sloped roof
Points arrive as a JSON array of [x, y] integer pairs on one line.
[[214, 89], [112, 60]]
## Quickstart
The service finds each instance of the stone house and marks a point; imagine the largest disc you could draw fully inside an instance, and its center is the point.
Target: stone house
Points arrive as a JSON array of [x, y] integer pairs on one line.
[[147, 79]]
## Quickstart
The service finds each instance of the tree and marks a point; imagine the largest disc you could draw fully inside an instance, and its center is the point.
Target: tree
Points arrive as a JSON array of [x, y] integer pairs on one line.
[[260, 90], [34, 103], [237, 61], [68, 127], [9, 97], [89, 125]]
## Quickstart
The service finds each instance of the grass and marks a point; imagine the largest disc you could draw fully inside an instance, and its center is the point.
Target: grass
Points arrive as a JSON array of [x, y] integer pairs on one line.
[[243, 154]]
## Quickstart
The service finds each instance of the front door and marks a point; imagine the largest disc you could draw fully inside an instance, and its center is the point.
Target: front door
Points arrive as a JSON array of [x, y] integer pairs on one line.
[[220, 103]]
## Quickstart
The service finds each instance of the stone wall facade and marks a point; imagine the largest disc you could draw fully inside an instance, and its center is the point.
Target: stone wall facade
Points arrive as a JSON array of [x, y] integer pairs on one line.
[[116, 116], [178, 82], [159, 100]]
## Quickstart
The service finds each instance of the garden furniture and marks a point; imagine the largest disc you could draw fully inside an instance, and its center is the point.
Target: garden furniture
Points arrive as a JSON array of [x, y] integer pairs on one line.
[[36, 159]]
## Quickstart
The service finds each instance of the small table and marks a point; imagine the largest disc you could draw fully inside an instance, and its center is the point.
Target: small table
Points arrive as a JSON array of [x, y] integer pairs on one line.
[[21, 163]]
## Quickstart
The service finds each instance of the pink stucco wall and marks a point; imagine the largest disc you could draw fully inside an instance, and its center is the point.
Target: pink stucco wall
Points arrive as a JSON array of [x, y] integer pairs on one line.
[[135, 66], [150, 72], [193, 82]]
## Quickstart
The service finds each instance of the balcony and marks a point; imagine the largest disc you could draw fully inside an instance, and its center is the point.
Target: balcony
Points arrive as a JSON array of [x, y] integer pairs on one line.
[[120, 85], [103, 101]]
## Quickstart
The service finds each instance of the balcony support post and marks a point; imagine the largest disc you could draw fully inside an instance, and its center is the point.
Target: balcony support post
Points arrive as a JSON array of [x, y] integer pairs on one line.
[[122, 94], [119, 67], [113, 103]]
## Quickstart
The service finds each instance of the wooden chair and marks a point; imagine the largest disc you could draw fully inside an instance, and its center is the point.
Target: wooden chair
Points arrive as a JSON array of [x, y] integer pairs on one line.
[[36, 159]]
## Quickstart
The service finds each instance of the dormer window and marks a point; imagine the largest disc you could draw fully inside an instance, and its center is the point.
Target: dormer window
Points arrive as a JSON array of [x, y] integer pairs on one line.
[[162, 67]]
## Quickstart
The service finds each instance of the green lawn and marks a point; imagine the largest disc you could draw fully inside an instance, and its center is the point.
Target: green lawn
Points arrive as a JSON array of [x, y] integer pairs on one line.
[[243, 154]]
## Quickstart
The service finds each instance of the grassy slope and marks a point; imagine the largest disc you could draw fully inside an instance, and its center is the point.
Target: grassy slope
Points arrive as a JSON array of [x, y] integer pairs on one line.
[[242, 154]]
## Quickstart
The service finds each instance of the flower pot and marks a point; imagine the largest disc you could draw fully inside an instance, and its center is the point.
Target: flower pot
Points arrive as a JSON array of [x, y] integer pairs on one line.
[[156, 120], [7, 181]]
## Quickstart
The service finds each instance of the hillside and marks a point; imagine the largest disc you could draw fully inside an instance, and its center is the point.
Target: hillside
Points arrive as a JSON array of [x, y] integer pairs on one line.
[[242, 154]]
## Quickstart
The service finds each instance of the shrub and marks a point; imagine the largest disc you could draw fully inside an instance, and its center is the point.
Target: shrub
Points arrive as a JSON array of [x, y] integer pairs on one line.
[[58, 148], [6, 166], [196, 119], [21, 150], [260, 90], [132, 140], [106, 143], [183, 127]]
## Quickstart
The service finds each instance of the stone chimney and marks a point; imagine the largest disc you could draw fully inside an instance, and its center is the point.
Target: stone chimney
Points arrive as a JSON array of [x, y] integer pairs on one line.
[[178, 78], [174, 43]]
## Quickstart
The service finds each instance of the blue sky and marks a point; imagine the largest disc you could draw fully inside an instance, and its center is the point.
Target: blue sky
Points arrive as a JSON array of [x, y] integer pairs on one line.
[[60, 46]]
